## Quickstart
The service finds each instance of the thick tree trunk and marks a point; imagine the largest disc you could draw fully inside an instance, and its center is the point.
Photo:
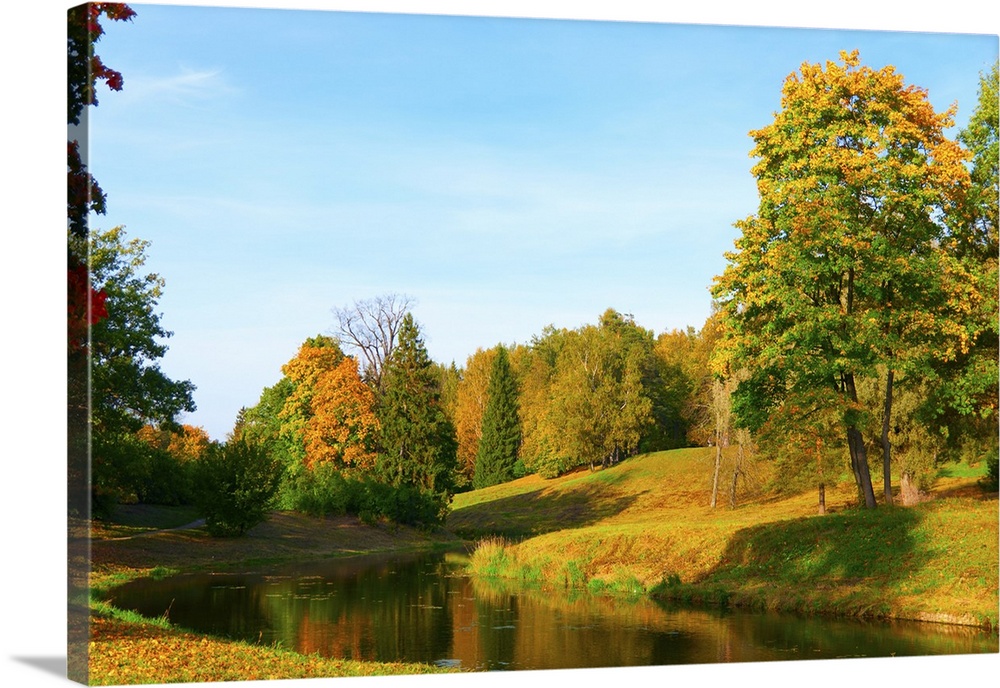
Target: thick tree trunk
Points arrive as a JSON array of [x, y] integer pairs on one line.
[[859, 462], [859, 455], [886, 446]]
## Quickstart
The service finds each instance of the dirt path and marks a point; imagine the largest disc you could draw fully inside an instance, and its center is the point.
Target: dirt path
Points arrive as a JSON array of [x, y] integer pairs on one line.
[[283, 536], [187, 526]]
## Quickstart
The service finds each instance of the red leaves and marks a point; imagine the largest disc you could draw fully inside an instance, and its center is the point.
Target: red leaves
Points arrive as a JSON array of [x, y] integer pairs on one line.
[[85, 307], [116, 11], [114, 78], [83, 195]]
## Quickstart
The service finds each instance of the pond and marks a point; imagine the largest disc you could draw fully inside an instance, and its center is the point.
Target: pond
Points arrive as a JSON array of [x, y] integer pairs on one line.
[[423, 608]]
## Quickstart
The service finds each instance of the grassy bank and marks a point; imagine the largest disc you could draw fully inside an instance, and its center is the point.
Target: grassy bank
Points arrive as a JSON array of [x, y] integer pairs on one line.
[[131, 650], [126, 648], [645, 526]]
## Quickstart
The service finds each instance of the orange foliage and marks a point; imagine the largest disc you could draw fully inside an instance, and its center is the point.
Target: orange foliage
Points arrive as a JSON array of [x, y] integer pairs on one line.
[[469, 405], [189, 444], [343, 423], [331, 410]]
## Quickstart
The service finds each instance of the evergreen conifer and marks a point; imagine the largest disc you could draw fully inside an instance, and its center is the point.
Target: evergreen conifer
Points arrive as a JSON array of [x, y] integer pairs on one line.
[[501, 429]]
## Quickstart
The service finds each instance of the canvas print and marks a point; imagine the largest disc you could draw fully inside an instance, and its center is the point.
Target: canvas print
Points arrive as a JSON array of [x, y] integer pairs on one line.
[[410, 344]]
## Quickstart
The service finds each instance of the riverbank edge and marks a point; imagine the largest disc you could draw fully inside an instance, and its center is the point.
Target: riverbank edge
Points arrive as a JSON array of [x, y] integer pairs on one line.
[[108, 620], [495, 558], [714, 596], [569, 575], [719, 596]]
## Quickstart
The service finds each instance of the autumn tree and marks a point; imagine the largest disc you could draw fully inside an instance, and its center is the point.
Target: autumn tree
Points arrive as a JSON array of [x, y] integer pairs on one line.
[[682, 376], [689, 353], [329, 414], [417, 445], [85, 70], [85, 304], [597, 407], [803, 438], [847, 264], [370, 327], [160, 461], [722, 410], [185, 443], [500, 440], [534, 366], [470, 403], [343, 427]]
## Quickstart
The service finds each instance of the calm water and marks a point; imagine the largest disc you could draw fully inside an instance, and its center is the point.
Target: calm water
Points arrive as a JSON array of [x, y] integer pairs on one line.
[[422, 608]]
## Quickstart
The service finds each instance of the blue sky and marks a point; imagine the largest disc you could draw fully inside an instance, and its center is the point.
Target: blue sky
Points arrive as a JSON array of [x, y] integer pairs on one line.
[[505, 173]]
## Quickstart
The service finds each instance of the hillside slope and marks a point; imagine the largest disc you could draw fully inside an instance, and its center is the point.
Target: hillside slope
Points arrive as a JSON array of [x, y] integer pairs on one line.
[[646, 524]]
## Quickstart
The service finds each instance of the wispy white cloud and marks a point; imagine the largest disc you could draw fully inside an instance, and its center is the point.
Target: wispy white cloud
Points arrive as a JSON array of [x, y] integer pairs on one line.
[[187, 87]]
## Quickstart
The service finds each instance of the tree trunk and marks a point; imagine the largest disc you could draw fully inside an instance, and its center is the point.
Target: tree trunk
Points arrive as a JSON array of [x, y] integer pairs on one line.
[[859, 462], [859, 455], [822, 499], [736, 475], [715, 476], [886, 446], [909, 493]]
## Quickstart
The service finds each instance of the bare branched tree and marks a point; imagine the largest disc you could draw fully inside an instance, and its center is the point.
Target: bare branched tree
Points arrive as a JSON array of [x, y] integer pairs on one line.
[[369, 327]]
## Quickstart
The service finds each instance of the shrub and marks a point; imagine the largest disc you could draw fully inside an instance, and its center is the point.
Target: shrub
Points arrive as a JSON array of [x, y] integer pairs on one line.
[[991, 481], [236, 486], [326, 491], [320, 491]]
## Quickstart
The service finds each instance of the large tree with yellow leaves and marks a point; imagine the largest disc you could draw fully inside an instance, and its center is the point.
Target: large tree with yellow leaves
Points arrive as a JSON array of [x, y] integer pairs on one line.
[[849, 268]]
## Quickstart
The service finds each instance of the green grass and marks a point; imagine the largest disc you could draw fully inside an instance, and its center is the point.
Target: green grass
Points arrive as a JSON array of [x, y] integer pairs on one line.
[[963, 470], [646, 525]]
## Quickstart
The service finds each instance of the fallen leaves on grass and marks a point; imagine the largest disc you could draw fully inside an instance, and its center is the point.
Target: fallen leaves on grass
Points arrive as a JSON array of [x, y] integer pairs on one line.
[[127, 653]]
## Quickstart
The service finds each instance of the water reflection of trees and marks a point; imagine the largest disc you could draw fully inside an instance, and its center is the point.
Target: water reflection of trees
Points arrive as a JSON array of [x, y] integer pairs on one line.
[[391, 612], [558, 629], [420, 609]]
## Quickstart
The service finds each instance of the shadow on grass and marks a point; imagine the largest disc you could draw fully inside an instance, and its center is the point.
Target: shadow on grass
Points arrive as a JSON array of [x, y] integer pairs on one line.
[[540, 511], [861, 558]]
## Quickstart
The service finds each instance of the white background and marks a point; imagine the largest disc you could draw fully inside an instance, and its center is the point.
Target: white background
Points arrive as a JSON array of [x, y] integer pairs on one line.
[[33, 492]]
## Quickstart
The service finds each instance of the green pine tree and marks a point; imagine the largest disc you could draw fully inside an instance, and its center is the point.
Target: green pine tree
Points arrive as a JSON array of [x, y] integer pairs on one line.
[[418, 447], [501, 429]]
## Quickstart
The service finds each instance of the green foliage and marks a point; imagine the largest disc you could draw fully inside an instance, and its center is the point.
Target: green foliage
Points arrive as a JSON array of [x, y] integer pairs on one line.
[[991, 481], [980, 137], [236, 487], [501, 427], [133, 471], [587, 395], [127, 387], [261, 424], [327, 491], [829, 282], [417, 444], [321, 491]]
